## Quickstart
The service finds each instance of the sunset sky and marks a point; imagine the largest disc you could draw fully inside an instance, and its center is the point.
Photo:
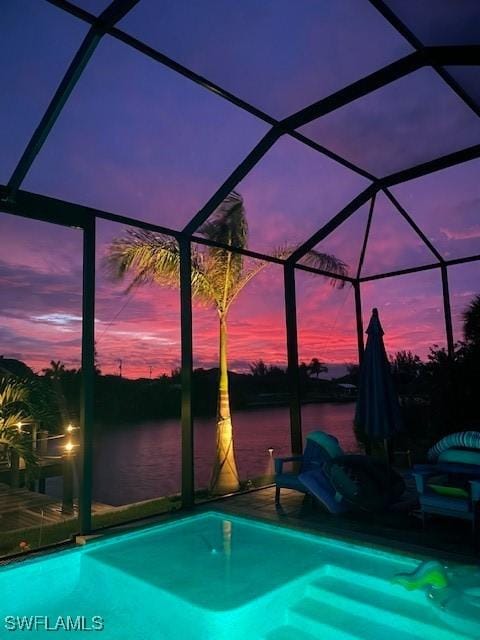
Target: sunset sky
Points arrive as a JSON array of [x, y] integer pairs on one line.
[[137, 139]]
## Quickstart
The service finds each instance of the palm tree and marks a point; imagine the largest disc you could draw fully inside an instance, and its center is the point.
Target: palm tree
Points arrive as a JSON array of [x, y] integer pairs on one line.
[[55, 371], [15, 411], [471, 322], [218, 277], [316, 367]]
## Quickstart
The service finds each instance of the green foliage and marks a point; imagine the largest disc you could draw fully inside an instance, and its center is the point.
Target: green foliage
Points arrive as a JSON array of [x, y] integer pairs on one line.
[[15, 411], [407, 369], [471, 323], [316, 367]]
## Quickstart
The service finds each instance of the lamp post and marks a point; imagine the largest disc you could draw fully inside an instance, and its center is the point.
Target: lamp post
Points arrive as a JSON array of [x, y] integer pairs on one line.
[[271, 469]]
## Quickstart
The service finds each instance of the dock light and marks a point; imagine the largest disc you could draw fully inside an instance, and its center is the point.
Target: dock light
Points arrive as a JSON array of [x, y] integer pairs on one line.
[[70, 428], [19, 426], [69, 447], [270, 451]]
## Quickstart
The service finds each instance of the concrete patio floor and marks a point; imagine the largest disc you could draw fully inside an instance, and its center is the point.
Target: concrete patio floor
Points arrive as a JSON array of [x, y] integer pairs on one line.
[[398, 530]]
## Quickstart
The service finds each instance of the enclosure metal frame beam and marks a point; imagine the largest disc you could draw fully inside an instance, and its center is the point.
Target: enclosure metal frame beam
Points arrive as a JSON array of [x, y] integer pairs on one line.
[[437, 164], [413, 225], [112, 14], [417, 171], [231, 182], [425, 267], [292, 359], [88, 379], [188, 477], [365, 238], [38, 207], [412, 39], [447, 309], [333, 223], [428, 56], [156, 55]]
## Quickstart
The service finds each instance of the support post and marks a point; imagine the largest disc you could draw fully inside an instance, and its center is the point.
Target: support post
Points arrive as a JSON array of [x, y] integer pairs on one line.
[[359, 318], [188, 483], [447, 311], [360, 340], [67, 470], [292, 356], [88, 379]]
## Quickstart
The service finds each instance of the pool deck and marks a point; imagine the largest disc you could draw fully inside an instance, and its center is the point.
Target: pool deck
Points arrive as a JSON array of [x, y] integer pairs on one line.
[[399, 530], [21, 509]]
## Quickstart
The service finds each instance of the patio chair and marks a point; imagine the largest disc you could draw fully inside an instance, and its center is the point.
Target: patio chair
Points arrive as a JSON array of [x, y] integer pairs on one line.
[[319, 448], [339, 482], [450, 485]]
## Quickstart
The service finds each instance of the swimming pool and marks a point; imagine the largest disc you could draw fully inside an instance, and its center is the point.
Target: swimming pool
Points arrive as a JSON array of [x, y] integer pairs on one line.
[[214, 576]]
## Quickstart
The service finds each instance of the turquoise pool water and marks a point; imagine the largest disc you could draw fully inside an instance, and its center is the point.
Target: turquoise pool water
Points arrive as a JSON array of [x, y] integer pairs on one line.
[[213, 576]]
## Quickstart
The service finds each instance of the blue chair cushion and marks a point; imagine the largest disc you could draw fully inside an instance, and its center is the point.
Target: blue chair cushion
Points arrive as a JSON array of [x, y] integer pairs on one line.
[[443, 505], [460, 456], [317, 484], [289, 481], [327, 442]]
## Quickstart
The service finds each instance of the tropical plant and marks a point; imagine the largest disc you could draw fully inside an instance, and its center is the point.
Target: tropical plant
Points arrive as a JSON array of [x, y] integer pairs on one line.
[[258, 368], [218, 277], [471, 322], [316, 367], [15, 412]]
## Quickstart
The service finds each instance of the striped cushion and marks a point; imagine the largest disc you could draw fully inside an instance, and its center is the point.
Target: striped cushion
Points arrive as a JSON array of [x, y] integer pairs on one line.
[[465, 439]]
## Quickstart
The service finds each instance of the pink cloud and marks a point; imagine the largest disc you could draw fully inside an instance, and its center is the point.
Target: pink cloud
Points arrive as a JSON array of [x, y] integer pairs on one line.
[[466, 234]]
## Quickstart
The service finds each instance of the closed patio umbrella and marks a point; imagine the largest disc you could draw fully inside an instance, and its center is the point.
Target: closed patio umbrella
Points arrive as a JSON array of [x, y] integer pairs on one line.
[[377, 412]]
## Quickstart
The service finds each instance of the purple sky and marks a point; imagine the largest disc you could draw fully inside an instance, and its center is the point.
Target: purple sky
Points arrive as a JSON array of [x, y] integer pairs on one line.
[[137, 139]]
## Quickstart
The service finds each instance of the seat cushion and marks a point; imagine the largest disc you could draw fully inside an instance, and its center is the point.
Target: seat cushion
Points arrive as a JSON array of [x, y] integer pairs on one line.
[[356, 483], [443, 505], [448, 490], [462, 456]]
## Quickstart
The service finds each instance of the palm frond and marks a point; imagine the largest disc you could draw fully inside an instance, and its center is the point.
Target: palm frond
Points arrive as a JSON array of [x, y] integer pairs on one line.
[[327, 262], [154, 257], [12, 392], [227, 225], [21, 443], [248, 274], [14, 398], [317, 260]]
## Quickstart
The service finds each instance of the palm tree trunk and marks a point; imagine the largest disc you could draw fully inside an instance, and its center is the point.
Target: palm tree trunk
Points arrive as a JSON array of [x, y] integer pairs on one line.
[[224, 475]]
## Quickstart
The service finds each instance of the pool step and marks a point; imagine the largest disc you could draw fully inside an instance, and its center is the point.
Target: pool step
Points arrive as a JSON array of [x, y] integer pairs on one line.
[[344, 605], [331, 622], [287, 632], [393, 604]]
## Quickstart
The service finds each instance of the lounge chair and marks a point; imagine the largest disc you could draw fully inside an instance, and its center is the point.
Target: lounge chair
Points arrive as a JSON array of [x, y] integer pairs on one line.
[[450, 484], [320, 448], [339, 482]]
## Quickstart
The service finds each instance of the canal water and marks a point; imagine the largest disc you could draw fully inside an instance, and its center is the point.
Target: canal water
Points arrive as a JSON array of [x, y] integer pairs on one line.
[[142, 461]]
